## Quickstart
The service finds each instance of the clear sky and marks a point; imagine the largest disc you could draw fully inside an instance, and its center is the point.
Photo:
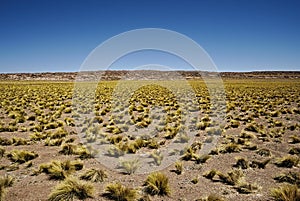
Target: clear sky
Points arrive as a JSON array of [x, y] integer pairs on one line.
[[57, 35]]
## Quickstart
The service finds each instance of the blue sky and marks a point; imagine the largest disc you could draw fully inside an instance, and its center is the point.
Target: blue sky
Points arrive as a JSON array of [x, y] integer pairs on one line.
[[39, 36]]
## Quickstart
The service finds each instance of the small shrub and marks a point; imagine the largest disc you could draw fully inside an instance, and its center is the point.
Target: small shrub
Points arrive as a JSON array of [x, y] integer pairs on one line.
[[86, 152], [68, 149], [21, 156], [232, 177], [157, 184], [94, 175], [295, 151], [182, 138], [189, 154], [5, 141], [203, 158], [246, 188], [70, 189], [37, 136], [287, 161], [51, 125], [195, 180], [231, 148], [5, 181], [264, 152], [153, 144], [290, 177], [295, 139], [213, 131], [60, 170], [119, 192], [242, 163], [2, 151], [260, 164], [178, 167], [234, 123], [115, 151], [212, 197], [130, 166], [211, 174], [12, 167], [252, 128], [53, 142], [286, 193], [59, 133], [19, 141], [247, 135], [157, 156]]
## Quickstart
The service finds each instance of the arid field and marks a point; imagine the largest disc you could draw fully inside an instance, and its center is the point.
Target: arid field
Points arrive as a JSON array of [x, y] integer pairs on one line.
[[128, 140]]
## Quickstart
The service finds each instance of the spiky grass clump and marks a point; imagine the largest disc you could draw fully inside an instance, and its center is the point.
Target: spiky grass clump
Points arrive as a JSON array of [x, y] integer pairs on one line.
[[21, 156], [19, 141], [264, 152], [2, 151], [190, 154], [246, 188], [252, 128], [295, 139], [260, 164], [195, 180], [290, 177], [59, 133], [37, 136], [157, 184], [130, 166], [5, 181], [115, 151], [60, 170], [118, 192], [231, 178], [70, 189], [94, 175], [286, 193], [241, 163], [214, 197], [5, 141], [231, 148], [157, 156], [287, 161], [53, 142], [203, 158], [178, 167], [211, 174], [295, 151]]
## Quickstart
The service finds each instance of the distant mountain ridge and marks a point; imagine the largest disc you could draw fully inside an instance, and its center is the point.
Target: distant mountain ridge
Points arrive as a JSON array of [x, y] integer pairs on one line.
[[144, 74]]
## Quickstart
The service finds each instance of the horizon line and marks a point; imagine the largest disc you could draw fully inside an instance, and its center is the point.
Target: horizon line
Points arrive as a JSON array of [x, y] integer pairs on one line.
[[179, 70]]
